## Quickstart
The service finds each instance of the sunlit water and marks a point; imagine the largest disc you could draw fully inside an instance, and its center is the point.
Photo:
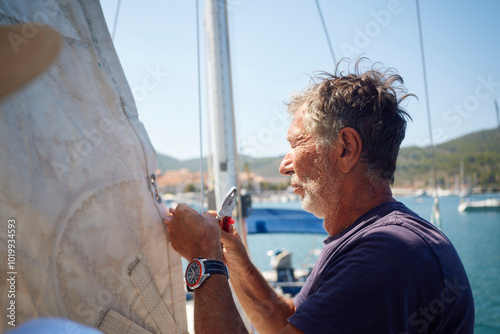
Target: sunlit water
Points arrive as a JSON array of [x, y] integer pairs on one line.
[[476, 237]]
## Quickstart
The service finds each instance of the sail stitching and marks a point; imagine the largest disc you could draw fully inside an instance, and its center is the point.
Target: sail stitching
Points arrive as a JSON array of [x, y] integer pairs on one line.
[[144, 283], [115, 323]]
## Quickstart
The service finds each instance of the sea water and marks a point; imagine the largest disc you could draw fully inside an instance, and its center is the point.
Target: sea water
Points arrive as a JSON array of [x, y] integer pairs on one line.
[[476, 236]]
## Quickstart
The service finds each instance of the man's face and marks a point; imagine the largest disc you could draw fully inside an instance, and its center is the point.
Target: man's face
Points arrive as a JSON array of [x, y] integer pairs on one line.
[[310, 169]]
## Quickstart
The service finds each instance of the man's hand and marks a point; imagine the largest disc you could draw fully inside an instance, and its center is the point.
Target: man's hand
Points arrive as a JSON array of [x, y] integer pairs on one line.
[[235, 254], [194, 235]]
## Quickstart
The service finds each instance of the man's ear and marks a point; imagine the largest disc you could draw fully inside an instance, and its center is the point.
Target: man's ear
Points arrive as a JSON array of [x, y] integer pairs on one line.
[[349, 149]]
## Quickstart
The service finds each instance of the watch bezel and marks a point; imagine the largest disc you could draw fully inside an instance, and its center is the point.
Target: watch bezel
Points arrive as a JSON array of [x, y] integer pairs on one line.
[[201, 273]]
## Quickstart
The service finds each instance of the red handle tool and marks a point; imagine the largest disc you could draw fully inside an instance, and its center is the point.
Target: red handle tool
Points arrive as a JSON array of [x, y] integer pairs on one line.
[[226, 209]]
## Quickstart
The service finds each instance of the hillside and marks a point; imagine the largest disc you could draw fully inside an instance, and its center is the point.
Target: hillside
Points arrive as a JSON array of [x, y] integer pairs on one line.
[[479, 151], [166, 162], [266, 167]]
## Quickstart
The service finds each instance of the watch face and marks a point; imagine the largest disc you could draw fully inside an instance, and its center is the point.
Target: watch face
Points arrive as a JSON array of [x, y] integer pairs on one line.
[[193, 273]]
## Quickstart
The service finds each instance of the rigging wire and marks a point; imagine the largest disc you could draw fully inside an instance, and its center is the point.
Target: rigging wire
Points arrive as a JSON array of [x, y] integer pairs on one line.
[[498, 117], [436, 216], [116, 19], [199, 105], [326, 33]]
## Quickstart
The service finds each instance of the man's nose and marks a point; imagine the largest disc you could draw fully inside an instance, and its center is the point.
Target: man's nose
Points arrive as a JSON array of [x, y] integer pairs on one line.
[[286, 166]]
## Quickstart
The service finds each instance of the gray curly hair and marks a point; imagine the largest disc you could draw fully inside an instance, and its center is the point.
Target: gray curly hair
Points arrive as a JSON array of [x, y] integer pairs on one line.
[[367, 102]]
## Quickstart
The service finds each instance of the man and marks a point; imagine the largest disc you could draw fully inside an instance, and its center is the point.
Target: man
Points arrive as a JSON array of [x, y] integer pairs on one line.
[[383, 269]]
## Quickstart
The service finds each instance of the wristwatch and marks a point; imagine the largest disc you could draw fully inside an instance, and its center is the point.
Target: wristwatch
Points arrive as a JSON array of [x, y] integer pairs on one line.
[[199, 270]]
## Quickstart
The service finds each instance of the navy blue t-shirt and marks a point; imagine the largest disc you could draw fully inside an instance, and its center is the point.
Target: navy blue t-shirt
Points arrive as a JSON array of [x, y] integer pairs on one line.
[[389, 272]]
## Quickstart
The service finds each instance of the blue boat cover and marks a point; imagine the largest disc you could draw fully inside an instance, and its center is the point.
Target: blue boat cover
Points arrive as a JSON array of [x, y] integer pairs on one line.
[[283, 221]]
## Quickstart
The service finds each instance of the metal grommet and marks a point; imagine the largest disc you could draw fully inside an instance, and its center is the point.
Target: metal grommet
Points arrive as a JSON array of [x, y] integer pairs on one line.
[[152, 179], [158, 198]]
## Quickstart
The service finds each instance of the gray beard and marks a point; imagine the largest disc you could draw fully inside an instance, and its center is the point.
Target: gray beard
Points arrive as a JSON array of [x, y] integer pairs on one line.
[[318, 191]]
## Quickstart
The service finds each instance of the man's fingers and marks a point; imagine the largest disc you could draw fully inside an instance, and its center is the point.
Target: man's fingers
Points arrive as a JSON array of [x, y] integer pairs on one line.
[[209, 216], [212, 213], [229, 237], [183, 207], [229, 230]]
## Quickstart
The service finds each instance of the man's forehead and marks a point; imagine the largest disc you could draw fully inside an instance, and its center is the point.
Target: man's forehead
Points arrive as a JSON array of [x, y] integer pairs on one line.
[[297, 126]]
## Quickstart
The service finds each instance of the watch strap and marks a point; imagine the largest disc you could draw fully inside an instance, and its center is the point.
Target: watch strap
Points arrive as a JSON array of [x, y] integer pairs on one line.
[[215, 267]]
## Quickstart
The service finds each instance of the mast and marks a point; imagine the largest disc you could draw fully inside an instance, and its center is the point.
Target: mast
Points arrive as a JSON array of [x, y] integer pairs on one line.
[[220, 99], [220, 107]]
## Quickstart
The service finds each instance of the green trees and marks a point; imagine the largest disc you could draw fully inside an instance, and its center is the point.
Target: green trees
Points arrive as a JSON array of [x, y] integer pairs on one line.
[[480, 153]]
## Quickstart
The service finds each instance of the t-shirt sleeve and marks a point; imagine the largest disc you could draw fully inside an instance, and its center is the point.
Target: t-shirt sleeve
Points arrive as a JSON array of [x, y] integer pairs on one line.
[[371, 286]]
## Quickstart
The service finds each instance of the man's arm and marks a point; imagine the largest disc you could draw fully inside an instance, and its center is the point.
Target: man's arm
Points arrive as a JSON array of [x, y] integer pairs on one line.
[[215, 311], [214, 308], [266, 310]]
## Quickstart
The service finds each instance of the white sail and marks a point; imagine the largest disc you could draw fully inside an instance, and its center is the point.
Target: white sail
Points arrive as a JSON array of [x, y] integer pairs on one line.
[[77, 176]]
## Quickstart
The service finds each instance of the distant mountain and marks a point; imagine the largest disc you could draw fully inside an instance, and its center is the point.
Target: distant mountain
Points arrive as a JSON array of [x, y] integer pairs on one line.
[[166, 162], [266, 167], [479, 151]]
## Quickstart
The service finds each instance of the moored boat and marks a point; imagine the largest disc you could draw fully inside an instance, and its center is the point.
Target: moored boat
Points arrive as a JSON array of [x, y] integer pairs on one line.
[[482, 205]]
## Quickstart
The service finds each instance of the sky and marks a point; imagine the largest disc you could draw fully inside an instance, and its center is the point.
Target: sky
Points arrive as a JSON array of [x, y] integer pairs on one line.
[[275, 46]]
